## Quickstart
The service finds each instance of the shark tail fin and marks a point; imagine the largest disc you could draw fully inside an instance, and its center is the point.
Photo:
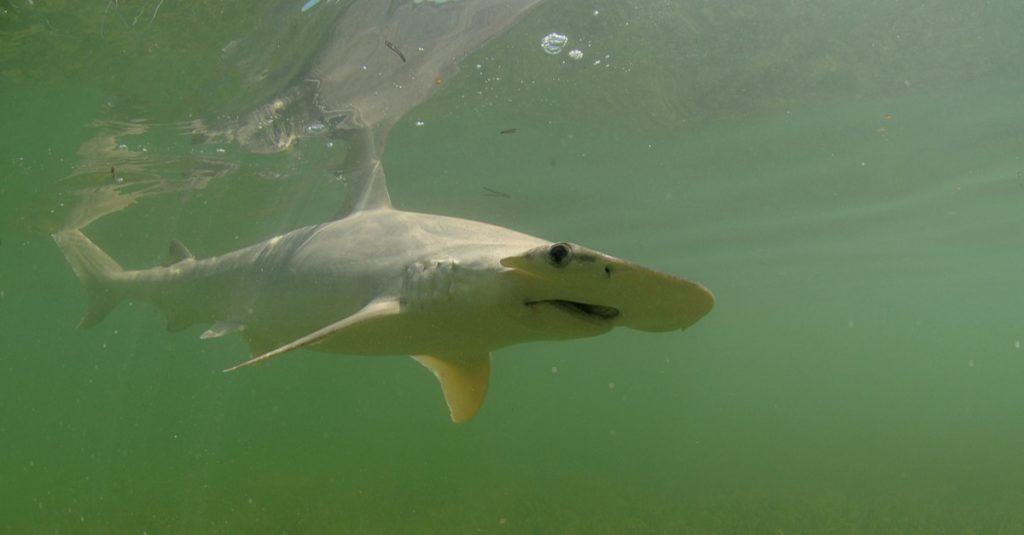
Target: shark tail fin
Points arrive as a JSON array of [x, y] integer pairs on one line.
[[97, 271]]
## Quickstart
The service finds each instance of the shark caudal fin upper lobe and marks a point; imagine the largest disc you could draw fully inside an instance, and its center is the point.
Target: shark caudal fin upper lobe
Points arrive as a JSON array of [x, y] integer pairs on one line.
[[95, 269]]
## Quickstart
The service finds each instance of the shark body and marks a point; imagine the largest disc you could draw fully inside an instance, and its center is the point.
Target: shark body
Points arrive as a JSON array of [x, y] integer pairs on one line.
[[381, 281]]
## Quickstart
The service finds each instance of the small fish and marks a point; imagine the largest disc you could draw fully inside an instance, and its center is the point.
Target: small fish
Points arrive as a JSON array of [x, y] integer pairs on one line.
[[509, 131], [495, 193], [395, 49]]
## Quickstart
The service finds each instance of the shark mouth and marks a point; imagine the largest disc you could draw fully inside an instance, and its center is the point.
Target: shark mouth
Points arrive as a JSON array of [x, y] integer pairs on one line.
[[600, 312]]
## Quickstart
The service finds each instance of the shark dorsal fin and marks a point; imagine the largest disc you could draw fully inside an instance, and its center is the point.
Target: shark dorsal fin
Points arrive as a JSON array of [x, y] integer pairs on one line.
[[176, 253], [463, 379], [371, 193], [364, 174]]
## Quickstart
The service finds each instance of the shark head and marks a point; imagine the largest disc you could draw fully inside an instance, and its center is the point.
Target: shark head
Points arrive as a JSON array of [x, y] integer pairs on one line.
[[581, 292]]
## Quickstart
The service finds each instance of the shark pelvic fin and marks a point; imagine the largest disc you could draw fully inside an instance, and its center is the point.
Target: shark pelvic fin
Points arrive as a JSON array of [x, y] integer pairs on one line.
[[376, 310], [463, 381], [222, 328], [176, 253]]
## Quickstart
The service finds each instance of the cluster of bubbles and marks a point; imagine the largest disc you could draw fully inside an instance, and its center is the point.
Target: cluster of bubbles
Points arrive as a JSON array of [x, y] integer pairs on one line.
[[554, 42]]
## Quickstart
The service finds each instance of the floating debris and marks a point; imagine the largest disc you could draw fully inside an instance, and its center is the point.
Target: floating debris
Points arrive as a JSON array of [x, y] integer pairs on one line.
[[553, 43], [488, 192], [395, 49], [509, 131]]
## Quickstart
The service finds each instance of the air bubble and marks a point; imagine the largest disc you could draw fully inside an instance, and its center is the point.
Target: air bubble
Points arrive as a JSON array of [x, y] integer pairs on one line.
[[553, 43]]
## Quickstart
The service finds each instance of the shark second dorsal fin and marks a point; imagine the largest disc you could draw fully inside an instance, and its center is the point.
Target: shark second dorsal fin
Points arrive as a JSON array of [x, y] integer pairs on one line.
[[176, 253], [464, 381]]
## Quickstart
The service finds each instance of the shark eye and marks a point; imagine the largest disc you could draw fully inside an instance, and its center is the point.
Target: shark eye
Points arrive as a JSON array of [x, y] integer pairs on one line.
[[560, 254]]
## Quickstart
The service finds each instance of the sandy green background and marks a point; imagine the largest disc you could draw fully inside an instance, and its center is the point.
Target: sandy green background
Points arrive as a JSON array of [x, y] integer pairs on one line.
[[845, 176]]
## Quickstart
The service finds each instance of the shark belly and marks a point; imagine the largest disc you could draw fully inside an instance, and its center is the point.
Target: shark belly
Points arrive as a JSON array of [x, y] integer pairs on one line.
[[431, 264]]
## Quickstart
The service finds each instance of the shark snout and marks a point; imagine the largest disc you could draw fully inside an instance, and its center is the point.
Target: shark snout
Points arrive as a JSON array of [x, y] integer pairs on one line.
[[601, 289]]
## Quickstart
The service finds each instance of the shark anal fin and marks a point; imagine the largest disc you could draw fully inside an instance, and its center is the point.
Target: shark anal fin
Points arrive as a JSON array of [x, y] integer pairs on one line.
[[463, 379], [374, 310], [222, 328], [176, 253]]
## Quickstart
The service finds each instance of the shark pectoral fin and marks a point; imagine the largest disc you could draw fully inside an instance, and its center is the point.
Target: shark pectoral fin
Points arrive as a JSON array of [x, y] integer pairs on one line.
[[221, 328], [463, 381], [373, 311]]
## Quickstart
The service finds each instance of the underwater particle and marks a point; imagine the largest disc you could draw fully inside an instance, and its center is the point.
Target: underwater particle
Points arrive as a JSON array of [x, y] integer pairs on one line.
[[598, 62], [420, 123], [488, 192], [220, 151], [438, 80], [330, 144], [970, 363], [395, 49], [611, 386], [309, 5], [316, 128], [509, 131], [888, 117], [1016, 343], [596, 12], [503, 521], [553, 43], [576, 54], [554, 369]]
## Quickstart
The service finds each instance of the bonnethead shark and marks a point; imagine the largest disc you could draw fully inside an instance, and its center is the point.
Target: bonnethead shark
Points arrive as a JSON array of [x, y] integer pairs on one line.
[[376, 280], [382, 281]]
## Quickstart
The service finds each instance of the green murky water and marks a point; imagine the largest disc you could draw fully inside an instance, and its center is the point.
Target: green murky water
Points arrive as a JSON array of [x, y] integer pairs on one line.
[[845, 176]]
